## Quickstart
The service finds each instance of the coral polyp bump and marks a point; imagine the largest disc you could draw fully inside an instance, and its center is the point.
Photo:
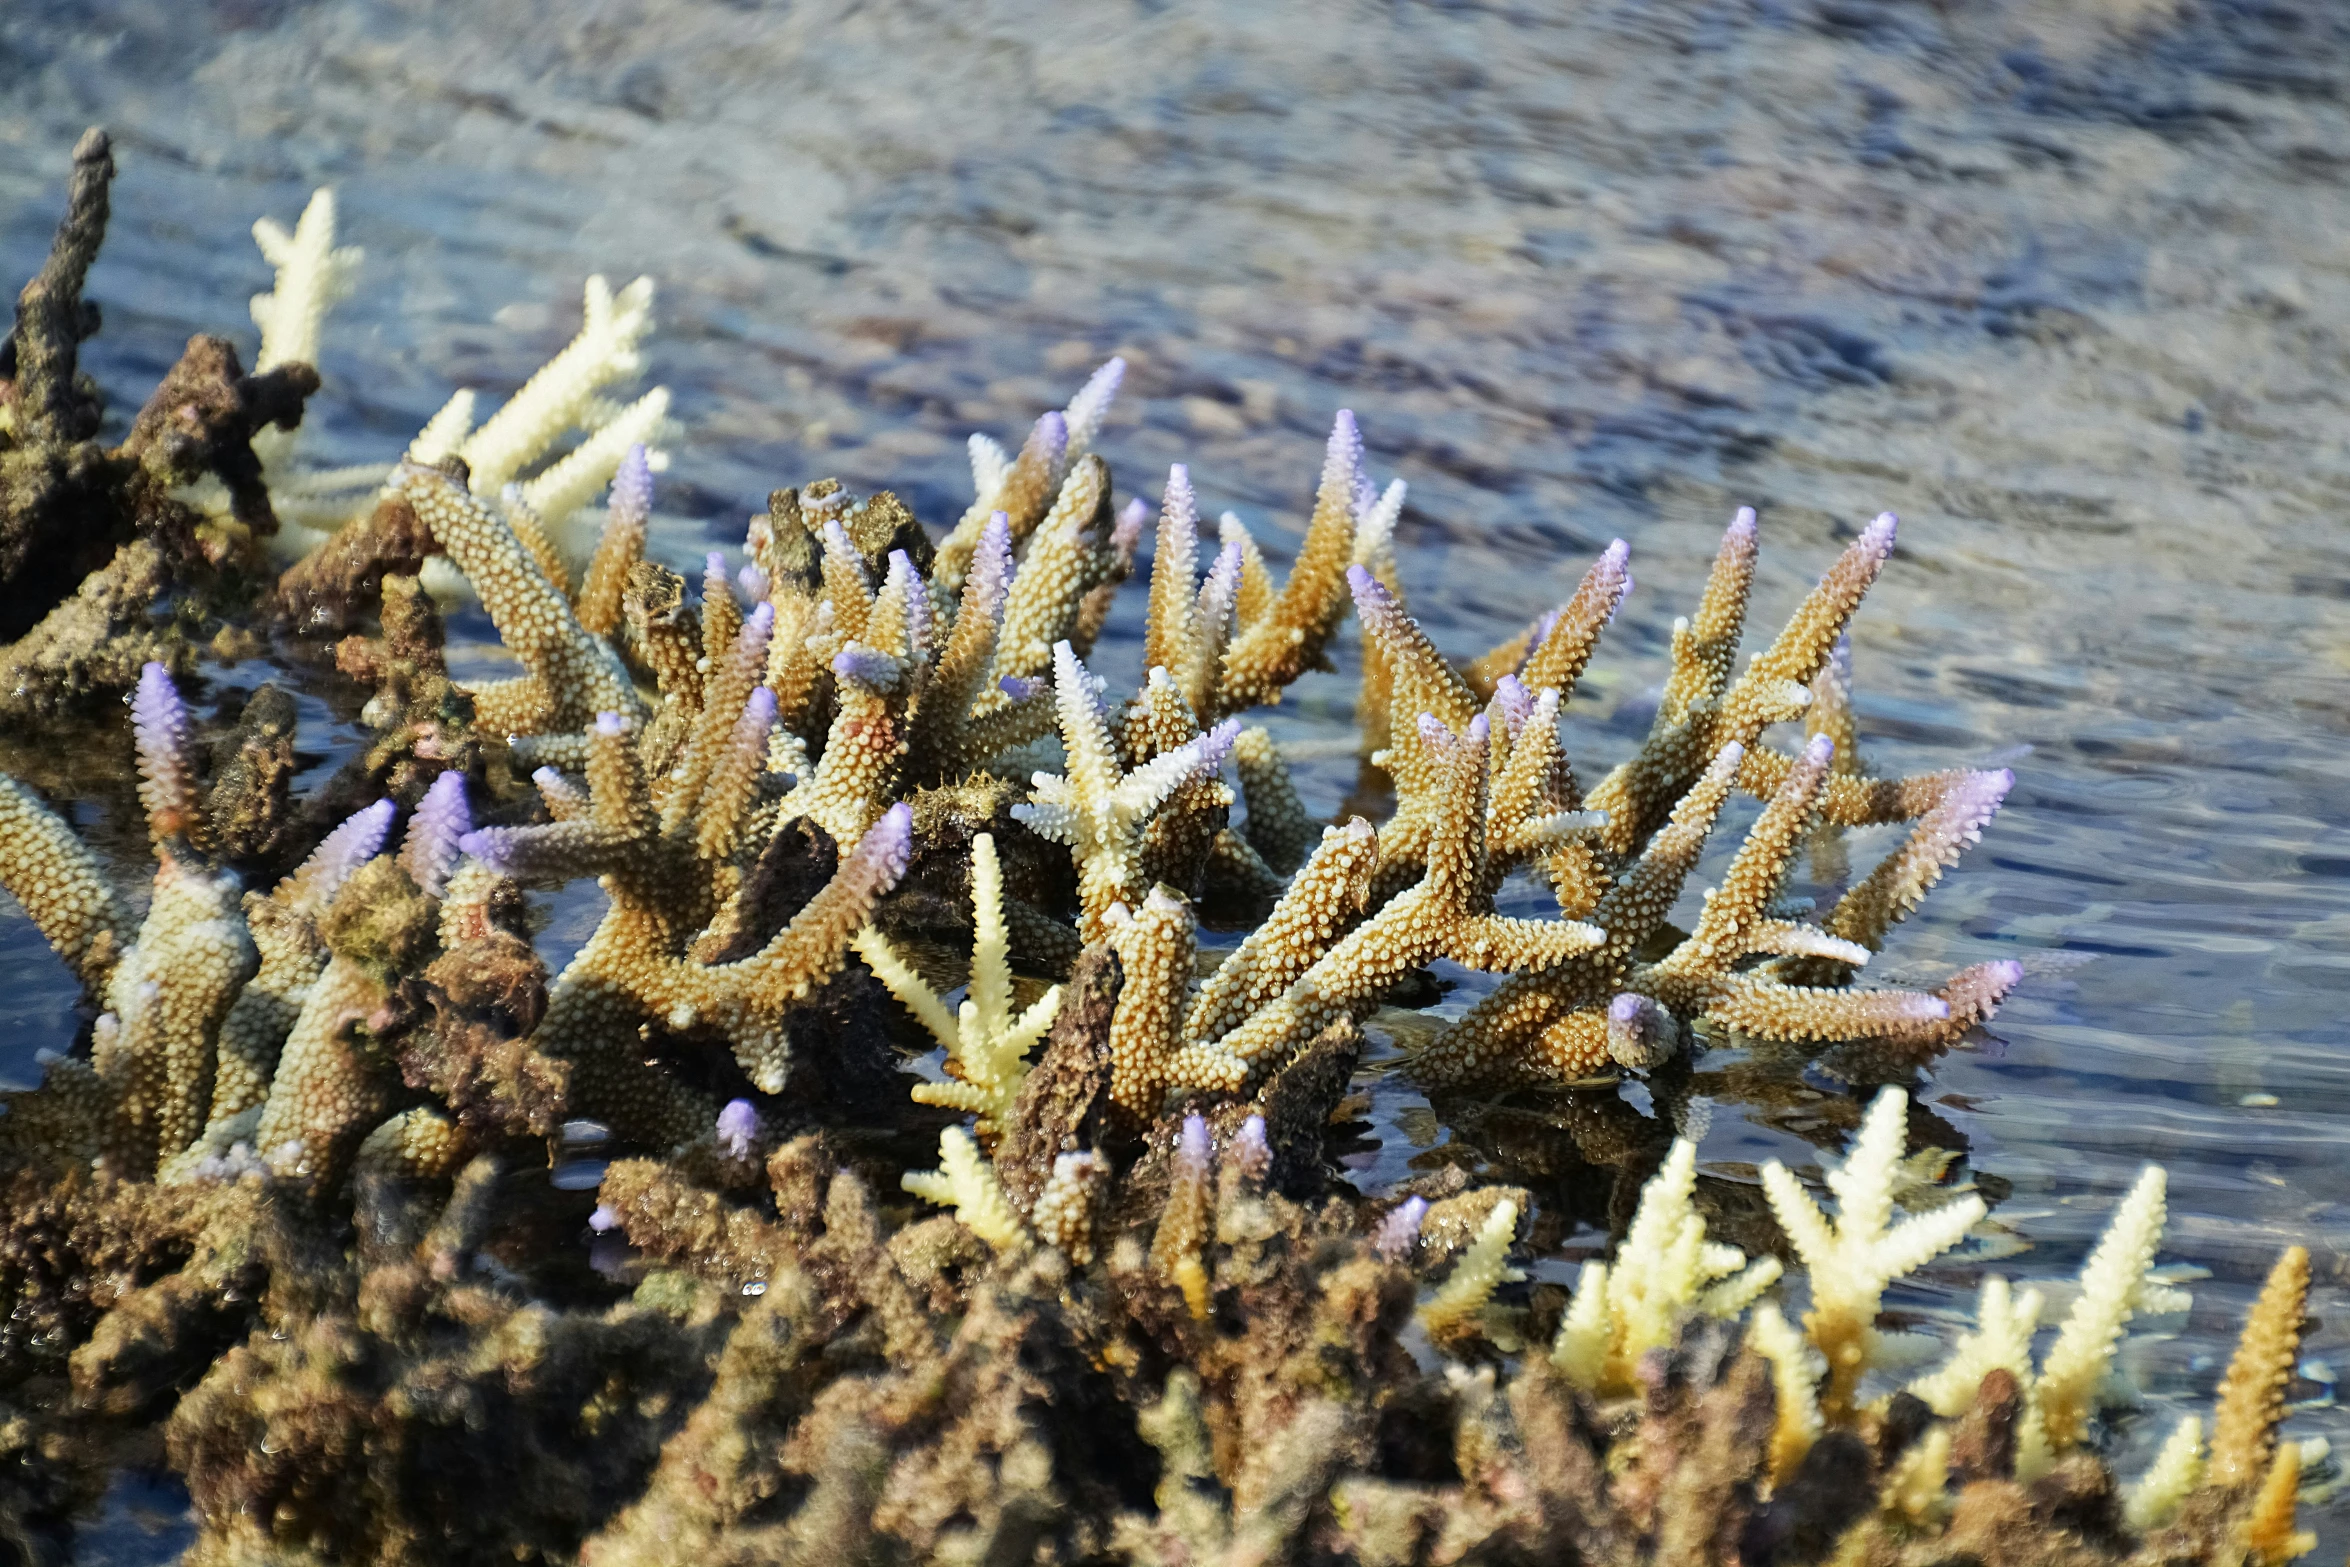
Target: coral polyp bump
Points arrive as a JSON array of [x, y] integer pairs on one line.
[[287, 1205]]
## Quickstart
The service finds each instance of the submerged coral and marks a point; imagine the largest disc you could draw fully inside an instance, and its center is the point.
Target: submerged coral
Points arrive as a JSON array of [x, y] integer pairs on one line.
[[287, 1204]]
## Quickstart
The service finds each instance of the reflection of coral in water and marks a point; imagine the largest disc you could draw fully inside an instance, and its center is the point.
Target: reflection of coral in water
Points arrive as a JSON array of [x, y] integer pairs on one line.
[[286, 1205]]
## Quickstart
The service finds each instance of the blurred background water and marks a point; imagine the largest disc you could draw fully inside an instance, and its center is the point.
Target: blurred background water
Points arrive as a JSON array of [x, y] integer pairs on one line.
[[2066, 284]]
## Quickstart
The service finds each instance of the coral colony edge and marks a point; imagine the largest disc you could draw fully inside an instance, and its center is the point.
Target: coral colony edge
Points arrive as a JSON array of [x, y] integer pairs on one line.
[[1090, 1286]]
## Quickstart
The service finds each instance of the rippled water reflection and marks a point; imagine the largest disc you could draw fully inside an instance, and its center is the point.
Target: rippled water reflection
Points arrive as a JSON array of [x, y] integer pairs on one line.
[[2066, 284]]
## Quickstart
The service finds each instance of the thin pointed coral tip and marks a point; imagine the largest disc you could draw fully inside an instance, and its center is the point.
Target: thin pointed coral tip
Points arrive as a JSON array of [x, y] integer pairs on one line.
[[436, 834], [1346, 437], [632, 485]]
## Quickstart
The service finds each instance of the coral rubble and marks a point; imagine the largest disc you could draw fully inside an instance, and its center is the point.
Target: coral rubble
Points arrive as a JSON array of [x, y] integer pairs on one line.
[[306, 1212]]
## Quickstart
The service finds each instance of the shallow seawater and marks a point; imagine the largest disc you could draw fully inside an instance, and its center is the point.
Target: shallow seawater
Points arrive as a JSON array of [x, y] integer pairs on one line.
[[2067, 285]]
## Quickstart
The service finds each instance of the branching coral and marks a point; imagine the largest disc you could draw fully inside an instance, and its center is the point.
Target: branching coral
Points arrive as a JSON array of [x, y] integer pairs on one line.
[[289, 1198], [1664, 1270], [1850, 1259], [91, 536], [986, 1044]]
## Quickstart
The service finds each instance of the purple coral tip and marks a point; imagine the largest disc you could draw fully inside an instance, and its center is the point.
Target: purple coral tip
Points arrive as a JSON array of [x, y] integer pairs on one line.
[[611, 726], [1820, 750], [1434, 733], [606, 1218], [738, 1126], [436, 834], [1103, 384], [488, 845], [1742, 525], [1019, 687], [889, 842], [1399, 1233], [754, 584], [1479, 730], [1192, 1149], [1370, 594], [155, 684], [1250, 1152], [1640, 1033], [763, 618], [1126, 532], [1877, 537], [866, 666], [359, 839], [632, 486]]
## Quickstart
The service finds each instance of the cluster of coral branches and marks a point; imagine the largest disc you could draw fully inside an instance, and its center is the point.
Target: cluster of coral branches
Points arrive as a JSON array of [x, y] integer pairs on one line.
[[282, 1217]]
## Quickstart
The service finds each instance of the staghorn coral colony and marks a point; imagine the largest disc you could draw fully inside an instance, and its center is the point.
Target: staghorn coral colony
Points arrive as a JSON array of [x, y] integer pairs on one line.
[[1066, 1270]]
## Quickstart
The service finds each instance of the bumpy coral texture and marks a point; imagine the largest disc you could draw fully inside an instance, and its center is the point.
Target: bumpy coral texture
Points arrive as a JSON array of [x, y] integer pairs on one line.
[[307, 1210]]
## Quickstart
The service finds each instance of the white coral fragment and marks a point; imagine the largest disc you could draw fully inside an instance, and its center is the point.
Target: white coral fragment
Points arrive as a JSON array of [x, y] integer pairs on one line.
[[966, 1182], [986, 1042]]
